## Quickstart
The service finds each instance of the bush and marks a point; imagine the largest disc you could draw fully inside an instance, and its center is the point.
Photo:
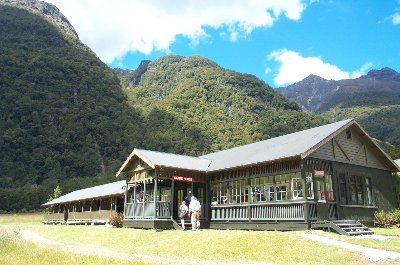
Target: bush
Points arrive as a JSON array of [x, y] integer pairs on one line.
[[387, 218], [117, 219], [382, 219]]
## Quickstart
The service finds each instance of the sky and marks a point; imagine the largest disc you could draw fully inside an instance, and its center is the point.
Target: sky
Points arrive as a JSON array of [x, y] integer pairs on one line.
[[279, 41]]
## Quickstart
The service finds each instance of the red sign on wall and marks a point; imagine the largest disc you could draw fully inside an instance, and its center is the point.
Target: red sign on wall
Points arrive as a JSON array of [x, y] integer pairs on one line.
[[181, 178], [319, 173]]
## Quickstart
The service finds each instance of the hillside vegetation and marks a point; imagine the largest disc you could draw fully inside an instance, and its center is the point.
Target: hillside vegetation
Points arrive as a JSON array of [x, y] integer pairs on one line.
[[65, 120], [63, 116], [192, 106]]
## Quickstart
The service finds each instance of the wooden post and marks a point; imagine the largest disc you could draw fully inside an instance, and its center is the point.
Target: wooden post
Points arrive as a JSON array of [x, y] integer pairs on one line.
[[305, 195], [173, 198], [250, 195], [155, 180]]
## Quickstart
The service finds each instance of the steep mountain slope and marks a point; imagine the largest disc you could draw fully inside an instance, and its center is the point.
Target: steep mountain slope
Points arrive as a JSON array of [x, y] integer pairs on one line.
[[377, 88], [374, 99], [64, 118], [193, 106], [62, 112]]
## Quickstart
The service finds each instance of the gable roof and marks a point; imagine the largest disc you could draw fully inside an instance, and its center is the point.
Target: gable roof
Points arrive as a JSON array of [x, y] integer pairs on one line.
[[299, 144], [114, 188], [154, 158]]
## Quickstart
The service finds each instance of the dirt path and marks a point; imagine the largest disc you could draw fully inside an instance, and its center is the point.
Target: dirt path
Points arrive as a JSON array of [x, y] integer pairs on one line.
[[372, 254], [107, 253]]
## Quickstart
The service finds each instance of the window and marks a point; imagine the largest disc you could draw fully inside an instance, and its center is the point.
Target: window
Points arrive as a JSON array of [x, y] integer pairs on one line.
[[358, 189], [348, 133], [296, 187], [263, 189], [309, 186], [328, 188], [281, 186], [342, 188], [368, 186], [228, 192]]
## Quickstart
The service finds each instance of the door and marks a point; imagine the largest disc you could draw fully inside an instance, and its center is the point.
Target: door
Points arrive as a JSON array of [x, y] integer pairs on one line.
[[181, 190], [322, 206]]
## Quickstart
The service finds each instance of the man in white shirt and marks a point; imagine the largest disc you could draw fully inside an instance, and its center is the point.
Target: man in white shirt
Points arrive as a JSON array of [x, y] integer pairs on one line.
[[194, 211]]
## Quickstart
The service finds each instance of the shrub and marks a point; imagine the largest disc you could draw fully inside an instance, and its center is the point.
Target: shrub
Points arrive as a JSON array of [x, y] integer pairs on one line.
[[383, 219], [117, 219], [387, 218]]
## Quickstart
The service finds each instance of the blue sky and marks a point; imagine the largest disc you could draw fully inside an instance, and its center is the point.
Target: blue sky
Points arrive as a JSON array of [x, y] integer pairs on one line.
[[281, 42]]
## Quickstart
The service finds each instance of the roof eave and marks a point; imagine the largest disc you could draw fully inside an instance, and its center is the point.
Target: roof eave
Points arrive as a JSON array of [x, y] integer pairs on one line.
[[139, 155]]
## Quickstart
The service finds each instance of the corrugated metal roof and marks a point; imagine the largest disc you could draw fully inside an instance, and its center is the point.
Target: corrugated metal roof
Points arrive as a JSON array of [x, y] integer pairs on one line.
[[397, 161], [290, 145], [174, 161], [104, 190]]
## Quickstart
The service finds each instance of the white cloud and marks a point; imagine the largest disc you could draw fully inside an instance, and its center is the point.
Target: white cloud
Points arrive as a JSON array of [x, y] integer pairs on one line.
[[295, 68], [362, 71], [396, 19], [113, 28]]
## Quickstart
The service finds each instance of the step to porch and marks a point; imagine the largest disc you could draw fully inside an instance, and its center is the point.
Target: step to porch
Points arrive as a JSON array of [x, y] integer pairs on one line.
[[177, 224], [343, 227]]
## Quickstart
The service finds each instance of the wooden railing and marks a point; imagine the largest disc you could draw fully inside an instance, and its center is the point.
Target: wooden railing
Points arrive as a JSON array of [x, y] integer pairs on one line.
[[79, 216], [263, 211], [146, 210]]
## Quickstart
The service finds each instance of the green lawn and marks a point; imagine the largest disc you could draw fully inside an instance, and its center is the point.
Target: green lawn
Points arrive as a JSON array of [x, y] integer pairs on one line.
[[222, 245], [391, 243]]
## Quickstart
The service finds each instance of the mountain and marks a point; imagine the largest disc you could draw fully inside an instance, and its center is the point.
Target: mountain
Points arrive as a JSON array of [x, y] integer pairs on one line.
[[66, 120], [63, 116], [377, 88], [373, 99], [191, 105]]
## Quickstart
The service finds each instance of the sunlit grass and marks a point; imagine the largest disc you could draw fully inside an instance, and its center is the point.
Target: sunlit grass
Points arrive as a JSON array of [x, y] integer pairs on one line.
[[13, 250], [222, 245], [391, 243], [21, 218]]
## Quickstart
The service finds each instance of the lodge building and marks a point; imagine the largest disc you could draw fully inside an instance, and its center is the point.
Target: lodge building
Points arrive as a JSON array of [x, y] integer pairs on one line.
[[295, 181]]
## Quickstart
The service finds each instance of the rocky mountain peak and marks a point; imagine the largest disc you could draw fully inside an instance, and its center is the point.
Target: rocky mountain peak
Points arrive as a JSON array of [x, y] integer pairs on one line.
[[384, 73], [50, 11]]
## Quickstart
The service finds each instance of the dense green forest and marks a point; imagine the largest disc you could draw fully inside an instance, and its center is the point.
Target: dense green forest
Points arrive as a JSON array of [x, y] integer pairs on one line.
[[66, 120], [63, 116], [192, 106]]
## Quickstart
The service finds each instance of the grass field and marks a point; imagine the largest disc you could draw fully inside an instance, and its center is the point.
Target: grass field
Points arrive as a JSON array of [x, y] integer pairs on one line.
[[219, 245]]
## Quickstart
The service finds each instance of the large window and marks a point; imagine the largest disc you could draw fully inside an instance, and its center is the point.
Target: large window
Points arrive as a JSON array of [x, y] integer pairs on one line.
[[229, 192], [355, 190], [263, 189]]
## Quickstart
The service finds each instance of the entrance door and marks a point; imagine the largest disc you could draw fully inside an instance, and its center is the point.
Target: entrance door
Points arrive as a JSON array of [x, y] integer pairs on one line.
[[181, 190], [322, 206]]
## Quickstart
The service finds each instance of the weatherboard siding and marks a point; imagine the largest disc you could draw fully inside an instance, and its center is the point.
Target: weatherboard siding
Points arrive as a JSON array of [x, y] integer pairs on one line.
[[352, 150]]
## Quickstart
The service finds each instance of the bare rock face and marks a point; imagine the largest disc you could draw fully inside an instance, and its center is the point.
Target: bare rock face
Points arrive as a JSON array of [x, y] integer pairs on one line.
[[50, 11], [315, 94]]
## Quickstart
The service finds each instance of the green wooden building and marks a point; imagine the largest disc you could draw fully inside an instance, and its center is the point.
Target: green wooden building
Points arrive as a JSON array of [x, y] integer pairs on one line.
[[301, 180]]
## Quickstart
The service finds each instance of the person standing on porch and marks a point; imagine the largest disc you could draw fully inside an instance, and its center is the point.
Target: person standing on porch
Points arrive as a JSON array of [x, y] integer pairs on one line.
[[182, 212], [188, 198], [194, 211]]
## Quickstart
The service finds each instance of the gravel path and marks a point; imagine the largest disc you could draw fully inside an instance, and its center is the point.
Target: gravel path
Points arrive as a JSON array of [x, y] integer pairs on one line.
[[372, 254], [107, 253]]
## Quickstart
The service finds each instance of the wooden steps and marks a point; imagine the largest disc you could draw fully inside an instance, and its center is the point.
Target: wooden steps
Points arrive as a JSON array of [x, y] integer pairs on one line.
[[343, 227], [177, 224]]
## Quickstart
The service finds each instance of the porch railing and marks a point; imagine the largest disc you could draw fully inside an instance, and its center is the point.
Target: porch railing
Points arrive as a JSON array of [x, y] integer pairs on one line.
[[146, 210], [263, 211], [80, 216]]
